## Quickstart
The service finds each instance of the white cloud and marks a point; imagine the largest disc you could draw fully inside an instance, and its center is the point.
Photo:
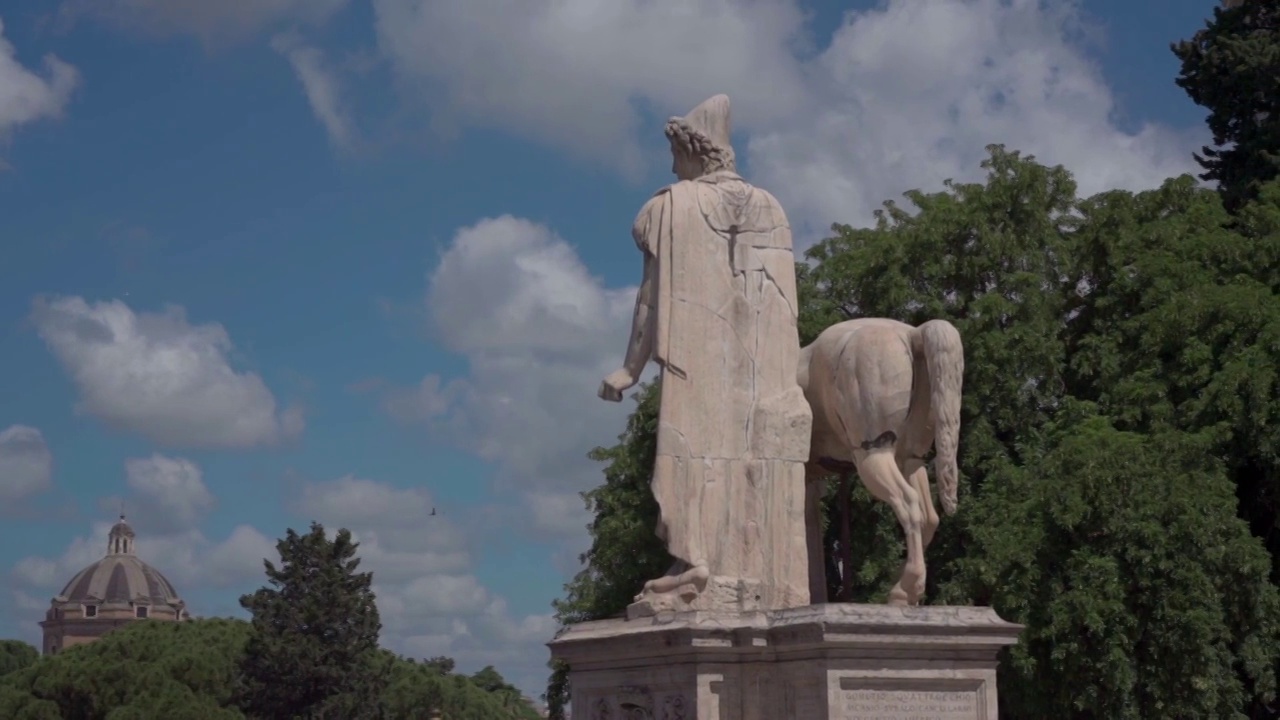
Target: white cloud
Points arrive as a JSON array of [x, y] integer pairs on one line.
[[425, 401], [572, 72], [399, 538], [421, 572], [357, 501], [223, 20], [911, 94], [27, 96], [26, 465], [190, 560], [236, 559], [172, 490], [429, 601], [903, 96], [488, 635], [161, 377], [322, 87], [539, 333]]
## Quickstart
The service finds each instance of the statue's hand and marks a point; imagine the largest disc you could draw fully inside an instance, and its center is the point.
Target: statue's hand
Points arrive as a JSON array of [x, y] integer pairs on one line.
[[614, 385]]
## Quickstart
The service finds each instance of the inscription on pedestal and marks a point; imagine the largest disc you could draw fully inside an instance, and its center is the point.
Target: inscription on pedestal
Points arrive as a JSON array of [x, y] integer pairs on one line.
[[907, 705]]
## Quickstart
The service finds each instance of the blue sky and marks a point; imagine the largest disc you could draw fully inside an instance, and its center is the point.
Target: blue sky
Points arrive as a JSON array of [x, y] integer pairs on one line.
[[271, 261]]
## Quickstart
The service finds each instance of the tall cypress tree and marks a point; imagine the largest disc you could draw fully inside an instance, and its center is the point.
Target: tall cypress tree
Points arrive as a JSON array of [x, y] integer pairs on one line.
[[313, 652], [1232, 68]]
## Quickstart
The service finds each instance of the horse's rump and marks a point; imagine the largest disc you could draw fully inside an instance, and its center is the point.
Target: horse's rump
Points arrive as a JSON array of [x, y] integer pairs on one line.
[[860, 381]]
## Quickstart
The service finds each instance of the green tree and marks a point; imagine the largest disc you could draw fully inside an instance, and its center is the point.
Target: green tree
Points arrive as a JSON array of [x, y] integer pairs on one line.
[[489, 679], [185, 671], [440, 663], [1157, 308], [625, 551], [316, 629], [512, 701], [993, 258], [1181, 326], [16, 655], [1232, 68], [1143, 595], [190, 671]]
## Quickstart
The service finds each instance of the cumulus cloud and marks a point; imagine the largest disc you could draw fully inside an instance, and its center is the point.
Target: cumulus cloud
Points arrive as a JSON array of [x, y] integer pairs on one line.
[[539, 333], [322, 87], [166, 509], [27, 96], [26, 465], [429, 601], [574, 73], [221, 21], [911, 94], [902, 96], [188, 558], [170, 490], [161, 377]]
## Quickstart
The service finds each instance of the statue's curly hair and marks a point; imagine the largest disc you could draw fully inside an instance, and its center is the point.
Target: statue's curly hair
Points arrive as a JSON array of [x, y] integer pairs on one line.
[[699, 146]]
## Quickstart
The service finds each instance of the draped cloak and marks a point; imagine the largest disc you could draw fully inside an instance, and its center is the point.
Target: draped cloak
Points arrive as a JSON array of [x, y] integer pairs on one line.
[[734, 427]]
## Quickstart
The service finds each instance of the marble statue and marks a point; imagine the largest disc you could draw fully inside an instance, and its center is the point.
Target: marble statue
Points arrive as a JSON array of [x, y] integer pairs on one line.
[[883, 392], [717, 311]]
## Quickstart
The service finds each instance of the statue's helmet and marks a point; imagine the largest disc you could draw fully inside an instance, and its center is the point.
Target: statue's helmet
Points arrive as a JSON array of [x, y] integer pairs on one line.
[[704, 132]]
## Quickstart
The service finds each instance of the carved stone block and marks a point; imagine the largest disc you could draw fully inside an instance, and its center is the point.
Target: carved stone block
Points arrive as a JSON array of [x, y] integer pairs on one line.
[[823, 662]]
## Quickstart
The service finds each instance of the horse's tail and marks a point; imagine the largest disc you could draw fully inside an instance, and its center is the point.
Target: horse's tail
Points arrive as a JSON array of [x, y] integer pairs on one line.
[[944, 356]]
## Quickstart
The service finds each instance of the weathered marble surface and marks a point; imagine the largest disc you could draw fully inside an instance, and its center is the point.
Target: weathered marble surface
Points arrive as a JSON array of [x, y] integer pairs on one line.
[[883, 393], [823, 662], [716, 309]]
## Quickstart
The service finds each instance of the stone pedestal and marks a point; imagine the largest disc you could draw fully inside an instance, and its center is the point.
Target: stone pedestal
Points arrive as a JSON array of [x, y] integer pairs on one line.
[[822, 662]]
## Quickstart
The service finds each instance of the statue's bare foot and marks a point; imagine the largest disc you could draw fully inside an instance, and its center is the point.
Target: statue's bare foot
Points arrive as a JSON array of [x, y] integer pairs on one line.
[[898, 597], [696, 576], [674, 592]]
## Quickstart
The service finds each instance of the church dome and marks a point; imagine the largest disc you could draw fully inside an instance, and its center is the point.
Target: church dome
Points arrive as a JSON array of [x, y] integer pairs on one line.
[[121, 581], [117, 590]]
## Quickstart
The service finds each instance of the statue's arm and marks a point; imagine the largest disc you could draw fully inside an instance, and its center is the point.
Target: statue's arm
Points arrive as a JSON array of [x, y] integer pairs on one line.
[[646, 232], [640, 346]]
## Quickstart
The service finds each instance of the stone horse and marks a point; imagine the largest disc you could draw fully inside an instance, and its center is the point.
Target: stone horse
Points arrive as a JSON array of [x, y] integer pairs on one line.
[[882, 393]]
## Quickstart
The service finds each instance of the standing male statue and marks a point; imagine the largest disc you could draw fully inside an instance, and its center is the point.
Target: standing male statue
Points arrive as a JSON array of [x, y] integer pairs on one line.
[[717, 310]]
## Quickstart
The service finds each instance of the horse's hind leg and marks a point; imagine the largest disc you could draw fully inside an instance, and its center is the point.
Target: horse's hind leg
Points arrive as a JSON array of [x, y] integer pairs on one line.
[[918, 476], [879, 472]]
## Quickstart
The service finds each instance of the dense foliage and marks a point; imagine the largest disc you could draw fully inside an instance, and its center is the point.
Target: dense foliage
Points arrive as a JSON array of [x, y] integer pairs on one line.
[[1120, 395], [1119, 441], [189, 671], [16, 655], [316, 633], [1122, 555], [1232, 68], [310, 652], [180, 671]]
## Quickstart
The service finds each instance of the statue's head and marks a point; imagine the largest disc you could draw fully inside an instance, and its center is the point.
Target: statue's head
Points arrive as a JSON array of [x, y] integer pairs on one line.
[[700, 140]]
